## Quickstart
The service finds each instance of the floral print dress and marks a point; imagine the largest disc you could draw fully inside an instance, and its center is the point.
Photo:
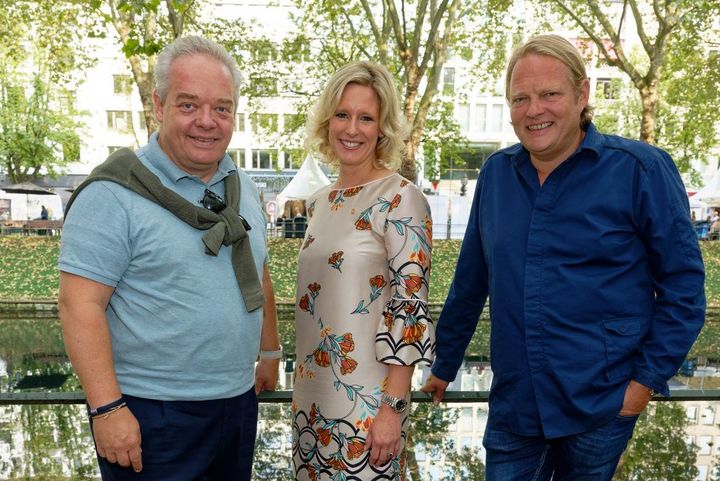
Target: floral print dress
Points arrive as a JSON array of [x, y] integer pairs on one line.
[[363, 273]]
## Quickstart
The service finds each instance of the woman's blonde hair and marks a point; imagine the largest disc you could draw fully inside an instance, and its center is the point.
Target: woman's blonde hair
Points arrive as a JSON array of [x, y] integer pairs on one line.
[[557, 47], [392, 123]]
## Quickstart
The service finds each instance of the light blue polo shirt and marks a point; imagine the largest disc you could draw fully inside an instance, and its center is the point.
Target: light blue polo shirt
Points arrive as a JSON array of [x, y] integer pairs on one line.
[[178, 323]]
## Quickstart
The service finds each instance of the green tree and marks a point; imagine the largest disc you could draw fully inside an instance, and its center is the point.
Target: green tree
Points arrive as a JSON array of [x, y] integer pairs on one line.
[[412, 38], [659, 436], [143, 28], [674, 72], [443, 140], [39, 132]]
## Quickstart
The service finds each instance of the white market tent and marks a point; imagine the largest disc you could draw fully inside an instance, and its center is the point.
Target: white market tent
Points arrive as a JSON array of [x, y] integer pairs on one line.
[[308, 180], [710, 194]]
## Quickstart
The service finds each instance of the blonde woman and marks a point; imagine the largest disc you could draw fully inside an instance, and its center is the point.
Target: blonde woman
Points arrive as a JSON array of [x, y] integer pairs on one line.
[[362, 318]]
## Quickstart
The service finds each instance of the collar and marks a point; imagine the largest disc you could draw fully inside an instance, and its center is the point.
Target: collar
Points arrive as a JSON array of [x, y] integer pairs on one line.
[[592, 142], [161, 163]]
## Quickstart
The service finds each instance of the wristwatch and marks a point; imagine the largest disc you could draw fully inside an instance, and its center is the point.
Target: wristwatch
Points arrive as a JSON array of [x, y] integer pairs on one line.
[[399, 405]]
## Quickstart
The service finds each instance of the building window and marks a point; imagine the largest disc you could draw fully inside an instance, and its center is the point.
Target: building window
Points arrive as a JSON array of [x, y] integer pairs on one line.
[[462, 115], [240, 122], [708, 416], [480, 118], [122, 84], [293, 159], [263, 159], [608, 89], [692, 414], [120, 120], [705, 445], [449, 80], [237, 156], [466, 417], [496, 118], [702, 472], [264, 123]]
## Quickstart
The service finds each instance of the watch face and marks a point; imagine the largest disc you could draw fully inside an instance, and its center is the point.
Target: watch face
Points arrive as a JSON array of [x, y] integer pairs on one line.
[[400, 405]]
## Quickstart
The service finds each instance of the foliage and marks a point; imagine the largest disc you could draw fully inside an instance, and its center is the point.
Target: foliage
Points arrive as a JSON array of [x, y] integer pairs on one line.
[[660, 431], [40, 53], [143, 28], [273, 454], [442, 140], [412, 39], [674, 73], [35, 137]]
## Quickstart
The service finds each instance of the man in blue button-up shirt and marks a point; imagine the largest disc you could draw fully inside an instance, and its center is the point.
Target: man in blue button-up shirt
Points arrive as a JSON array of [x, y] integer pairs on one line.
[[584, 244]]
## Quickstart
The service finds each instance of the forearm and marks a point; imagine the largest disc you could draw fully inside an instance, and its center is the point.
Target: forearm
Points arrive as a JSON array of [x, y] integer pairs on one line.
[[269, 337], [399, 380], [87, 341]]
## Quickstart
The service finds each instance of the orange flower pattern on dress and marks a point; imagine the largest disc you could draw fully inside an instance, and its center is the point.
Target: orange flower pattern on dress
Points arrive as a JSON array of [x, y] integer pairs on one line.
[[413, 283], [309, 240], [395, 202], [413, 331], [337, 197], [336, 260], [332, 446], [324, 436], [355, 448], [377, 283]]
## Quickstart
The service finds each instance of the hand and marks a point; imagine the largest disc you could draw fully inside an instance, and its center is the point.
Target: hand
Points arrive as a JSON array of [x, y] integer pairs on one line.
[[266, 375], [384, 436], [436, 386], [117, 438], [637, 396]]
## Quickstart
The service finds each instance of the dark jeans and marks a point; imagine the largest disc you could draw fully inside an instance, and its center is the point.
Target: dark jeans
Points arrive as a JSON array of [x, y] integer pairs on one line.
[[192, 440], [590, 456]]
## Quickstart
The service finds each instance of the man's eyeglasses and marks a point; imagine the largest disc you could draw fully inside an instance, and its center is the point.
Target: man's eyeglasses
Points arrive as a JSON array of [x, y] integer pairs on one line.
[[215, 203]]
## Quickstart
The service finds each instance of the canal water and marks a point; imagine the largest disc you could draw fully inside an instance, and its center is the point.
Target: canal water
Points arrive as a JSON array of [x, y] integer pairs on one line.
[[54, 442]]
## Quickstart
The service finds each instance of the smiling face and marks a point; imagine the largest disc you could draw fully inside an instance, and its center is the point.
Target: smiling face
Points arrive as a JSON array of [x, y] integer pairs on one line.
[[354, 128], [197, 117], [545, 109]]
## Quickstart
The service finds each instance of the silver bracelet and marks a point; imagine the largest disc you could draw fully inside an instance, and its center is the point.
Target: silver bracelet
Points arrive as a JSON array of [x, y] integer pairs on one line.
[[271, 354]]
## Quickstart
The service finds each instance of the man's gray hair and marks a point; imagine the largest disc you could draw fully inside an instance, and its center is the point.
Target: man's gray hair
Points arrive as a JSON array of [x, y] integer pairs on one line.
[[193, 45]]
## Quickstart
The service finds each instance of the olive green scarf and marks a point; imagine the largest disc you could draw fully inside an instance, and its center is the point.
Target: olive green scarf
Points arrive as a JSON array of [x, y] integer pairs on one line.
[[224, 228]]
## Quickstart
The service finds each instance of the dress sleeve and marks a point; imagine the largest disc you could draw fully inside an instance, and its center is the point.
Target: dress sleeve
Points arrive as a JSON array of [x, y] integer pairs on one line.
[[406, 334]]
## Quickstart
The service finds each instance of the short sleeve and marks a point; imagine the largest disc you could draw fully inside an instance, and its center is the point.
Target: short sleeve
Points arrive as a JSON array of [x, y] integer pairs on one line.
[[406, 334], [95, 241]]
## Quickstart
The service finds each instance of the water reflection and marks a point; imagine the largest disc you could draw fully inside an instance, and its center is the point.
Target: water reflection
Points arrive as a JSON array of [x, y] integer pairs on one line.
[[54, 442]]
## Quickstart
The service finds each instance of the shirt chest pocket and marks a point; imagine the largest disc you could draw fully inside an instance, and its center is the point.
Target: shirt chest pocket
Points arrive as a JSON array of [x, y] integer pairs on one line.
[[622, 342]]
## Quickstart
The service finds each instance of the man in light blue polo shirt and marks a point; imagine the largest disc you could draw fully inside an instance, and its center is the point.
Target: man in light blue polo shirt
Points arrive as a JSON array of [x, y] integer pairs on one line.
[[160, 330]]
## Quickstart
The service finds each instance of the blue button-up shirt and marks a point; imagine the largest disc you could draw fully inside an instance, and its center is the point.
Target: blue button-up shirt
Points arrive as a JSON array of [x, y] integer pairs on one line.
[[595, 278]]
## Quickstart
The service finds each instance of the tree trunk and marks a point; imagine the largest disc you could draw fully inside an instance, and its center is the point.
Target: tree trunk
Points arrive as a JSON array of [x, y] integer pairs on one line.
[[649, 97]]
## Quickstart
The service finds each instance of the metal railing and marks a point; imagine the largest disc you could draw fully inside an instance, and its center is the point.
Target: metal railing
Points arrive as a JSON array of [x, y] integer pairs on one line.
[[285, 396]]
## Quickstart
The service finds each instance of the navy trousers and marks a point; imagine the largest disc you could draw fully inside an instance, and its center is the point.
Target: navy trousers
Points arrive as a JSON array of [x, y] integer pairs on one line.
[[192, 440]]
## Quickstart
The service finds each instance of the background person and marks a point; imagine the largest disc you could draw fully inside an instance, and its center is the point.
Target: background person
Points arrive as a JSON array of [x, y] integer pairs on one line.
[[158, 327], [595, 280], [362, 319]]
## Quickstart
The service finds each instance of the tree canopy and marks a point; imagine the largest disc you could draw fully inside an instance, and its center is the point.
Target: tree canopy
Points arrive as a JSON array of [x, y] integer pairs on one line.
[[41, 53], [674, 71]]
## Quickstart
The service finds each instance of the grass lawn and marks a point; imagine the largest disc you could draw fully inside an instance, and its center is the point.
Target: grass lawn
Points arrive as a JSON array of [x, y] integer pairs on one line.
[[28, 267], [28, 270]]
